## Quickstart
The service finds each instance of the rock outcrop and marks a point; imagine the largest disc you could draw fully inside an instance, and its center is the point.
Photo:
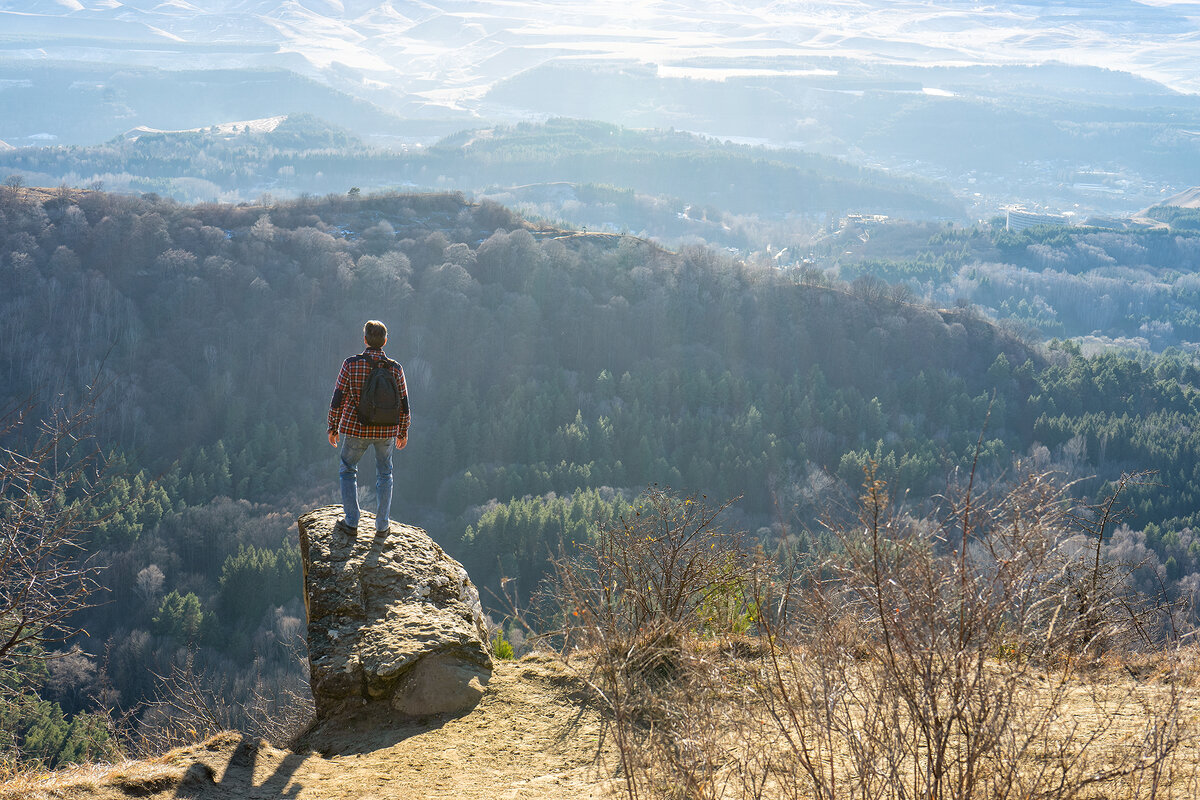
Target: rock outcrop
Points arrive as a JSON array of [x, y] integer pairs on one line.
[[391, 619]]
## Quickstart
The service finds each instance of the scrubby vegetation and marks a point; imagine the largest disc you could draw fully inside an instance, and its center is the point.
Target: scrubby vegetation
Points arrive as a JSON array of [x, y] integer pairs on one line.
[[972, 650]]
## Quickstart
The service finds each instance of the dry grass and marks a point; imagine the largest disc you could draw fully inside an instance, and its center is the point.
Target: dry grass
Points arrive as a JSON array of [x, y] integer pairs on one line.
[[971, 654], [530, 736], [726, 732], [1064, 733], [134, 778]]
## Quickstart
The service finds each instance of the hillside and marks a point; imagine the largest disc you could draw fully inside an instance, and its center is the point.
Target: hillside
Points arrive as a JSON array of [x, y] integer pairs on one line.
[[703, 187], [530, 737], [1186, 199], [69, 102], [1104, 284], [553, 375], [533, 736]]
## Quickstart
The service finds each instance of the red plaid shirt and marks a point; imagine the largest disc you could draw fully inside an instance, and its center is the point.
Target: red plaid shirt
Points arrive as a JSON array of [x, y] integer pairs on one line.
[[343, 409]]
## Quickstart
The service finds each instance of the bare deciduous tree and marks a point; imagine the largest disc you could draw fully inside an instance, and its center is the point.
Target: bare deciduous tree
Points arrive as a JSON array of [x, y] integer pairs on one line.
[[194, 701], [149, 584], [47, 476], [13, 184]]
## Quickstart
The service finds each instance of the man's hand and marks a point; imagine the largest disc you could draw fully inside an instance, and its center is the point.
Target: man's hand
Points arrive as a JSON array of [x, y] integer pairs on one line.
[[333, 438], [401, 441]]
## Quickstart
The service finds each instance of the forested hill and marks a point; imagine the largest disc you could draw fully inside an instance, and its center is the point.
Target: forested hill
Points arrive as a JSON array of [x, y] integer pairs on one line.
[[539, 361], [553, 375], [683, 172]]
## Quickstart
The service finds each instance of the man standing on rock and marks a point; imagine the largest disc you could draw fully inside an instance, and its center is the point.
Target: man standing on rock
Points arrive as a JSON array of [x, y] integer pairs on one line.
[[377, 420]]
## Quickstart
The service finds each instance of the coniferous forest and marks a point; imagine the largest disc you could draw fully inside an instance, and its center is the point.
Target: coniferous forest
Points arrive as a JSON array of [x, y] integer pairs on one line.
[[553, 375]]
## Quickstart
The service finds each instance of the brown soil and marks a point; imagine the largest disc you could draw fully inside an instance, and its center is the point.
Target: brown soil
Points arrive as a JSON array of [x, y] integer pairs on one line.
[[531, 736], [534, 735]]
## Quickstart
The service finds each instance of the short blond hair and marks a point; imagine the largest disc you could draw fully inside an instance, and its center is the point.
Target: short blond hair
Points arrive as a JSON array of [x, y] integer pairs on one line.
[[375, 333]]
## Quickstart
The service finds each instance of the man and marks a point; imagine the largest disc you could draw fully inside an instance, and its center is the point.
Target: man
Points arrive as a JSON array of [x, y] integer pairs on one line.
[[357, 435]]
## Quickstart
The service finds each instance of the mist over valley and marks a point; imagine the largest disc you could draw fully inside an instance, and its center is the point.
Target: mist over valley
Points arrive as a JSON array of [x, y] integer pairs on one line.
[[1085, 108]]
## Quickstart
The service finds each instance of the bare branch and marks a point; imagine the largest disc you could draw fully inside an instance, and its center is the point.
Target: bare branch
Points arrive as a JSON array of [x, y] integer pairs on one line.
[[47, 479]]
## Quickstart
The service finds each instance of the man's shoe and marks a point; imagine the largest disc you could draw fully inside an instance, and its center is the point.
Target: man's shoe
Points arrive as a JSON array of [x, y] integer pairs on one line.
[[343, 527], [388, 529]]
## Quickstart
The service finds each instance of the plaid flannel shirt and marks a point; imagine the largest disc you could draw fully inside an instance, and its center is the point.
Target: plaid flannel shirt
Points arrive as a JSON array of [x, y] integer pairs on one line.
[[343, 409]]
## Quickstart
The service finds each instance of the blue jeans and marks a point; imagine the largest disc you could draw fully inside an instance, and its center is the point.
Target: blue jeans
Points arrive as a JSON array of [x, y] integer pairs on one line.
[[351, 451]]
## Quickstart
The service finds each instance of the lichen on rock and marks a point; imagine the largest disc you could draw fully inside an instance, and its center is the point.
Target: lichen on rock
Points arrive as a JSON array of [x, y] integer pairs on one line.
[[391, 619]]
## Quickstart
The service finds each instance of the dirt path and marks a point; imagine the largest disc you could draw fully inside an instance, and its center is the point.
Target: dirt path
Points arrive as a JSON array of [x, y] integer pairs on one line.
[[530, 737]]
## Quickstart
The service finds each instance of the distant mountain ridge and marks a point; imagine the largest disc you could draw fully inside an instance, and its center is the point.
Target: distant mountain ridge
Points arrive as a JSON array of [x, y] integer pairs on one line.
[[1186, 199], [1066, 105], [265, 125], [698, 180], [450, 52], [64, 103]]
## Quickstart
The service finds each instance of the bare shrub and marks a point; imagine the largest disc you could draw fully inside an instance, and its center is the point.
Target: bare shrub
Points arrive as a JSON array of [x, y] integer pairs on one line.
[[193, 703], [651, 602], [945, 655], [938, 657], [1097, 593]]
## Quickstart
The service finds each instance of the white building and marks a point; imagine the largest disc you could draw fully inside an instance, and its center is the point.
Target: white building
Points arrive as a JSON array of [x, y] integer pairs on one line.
[[1019, 219]]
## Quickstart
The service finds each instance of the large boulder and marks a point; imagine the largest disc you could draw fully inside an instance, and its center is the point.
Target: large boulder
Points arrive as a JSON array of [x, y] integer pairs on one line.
[[391, 619]]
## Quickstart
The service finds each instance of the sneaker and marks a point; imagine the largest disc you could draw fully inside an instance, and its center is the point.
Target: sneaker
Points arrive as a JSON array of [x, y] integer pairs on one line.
[[388, 529], [343, 527]]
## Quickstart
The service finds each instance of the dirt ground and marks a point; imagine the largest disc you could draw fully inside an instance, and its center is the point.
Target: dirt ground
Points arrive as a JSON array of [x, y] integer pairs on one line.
[[531, 736]]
